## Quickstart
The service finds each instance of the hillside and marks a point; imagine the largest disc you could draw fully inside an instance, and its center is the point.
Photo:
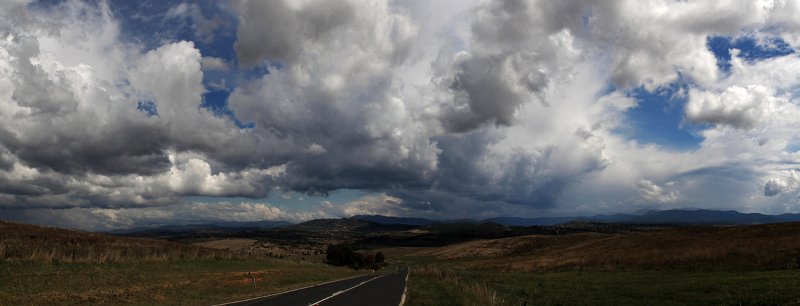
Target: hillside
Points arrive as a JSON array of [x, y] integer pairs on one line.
[[771, 246], [52, 266], [25, 242]]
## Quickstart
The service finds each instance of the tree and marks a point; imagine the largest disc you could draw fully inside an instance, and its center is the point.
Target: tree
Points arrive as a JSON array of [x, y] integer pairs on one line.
[[358, 261], [335, 255], [340, 255], [369, 260]]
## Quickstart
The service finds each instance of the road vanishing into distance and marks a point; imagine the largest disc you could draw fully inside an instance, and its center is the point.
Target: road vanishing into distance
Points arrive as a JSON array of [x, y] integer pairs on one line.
[[368, 290]]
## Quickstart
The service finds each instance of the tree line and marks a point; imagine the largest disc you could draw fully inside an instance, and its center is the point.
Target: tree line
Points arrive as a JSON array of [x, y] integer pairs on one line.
[[341, 255]]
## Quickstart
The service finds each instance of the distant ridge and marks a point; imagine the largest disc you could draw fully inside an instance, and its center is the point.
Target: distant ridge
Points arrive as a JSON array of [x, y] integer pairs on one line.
[[393, 220], [672, 216], [655, 217], [707, 216]]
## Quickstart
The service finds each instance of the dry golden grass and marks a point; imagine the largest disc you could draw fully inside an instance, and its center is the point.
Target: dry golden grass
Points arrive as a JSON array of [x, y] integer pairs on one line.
[[770, 246], [25, 242], [51, 266], [464, 292]]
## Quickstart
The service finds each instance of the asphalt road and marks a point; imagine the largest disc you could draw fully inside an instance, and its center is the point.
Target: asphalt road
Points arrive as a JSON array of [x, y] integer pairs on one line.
[[374, 290]]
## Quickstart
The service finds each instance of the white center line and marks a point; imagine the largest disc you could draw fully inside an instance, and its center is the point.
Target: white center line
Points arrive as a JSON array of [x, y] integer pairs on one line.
[[345, 290], [254, 300], [405, 288]]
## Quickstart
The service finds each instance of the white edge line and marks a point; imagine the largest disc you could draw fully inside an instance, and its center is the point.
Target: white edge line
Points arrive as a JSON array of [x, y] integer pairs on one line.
[[405, 288], [348, 289], [293, 290]]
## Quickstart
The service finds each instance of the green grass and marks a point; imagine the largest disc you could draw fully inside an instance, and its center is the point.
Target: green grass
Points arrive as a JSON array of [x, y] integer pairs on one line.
[[197, 282], [779, 287], [431, 291]]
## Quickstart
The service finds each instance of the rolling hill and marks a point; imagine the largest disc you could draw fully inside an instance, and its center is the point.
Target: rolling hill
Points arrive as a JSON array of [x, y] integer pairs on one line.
[[763, 246]]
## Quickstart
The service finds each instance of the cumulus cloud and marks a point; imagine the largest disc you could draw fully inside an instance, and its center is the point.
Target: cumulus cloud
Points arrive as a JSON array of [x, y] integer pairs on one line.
[[753, 93], [494, 108], [511, 59], [782, 182], [736, 106], [658, 194], [335, 99], [775, 187], [71, 127], [280, 30]]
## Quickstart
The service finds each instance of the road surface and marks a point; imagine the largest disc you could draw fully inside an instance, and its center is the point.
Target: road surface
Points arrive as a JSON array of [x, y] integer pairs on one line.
[[373, 290]]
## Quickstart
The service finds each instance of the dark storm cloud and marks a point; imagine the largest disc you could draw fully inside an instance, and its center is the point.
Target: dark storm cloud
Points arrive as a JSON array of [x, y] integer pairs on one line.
[[6, 159], [17, 188], [333, 107], [469, 172], [281, 29], [483, 94], [122, 149], [511, 62]]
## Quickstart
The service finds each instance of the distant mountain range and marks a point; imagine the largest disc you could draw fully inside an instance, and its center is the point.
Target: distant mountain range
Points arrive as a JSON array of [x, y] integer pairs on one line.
[[655, 217], [705, 216], [393, 220], [674, 216]]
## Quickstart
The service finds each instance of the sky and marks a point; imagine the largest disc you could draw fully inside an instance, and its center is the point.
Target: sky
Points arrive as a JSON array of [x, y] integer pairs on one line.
[[119, 114]]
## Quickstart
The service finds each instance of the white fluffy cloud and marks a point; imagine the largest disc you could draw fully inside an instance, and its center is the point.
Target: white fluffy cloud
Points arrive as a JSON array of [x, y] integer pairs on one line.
[[737, 106], [72, 134], [654, 193], [782, 182], [334, 105], [497, 107]]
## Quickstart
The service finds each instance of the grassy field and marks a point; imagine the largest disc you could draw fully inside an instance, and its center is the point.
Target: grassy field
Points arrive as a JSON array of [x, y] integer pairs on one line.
[[49, 266], [747, 265], [193, 282], [754, 247], [433, 285]]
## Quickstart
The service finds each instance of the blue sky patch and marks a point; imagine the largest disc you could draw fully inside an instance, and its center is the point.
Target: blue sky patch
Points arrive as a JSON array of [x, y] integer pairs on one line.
[[751, 49], [208, 24], [793, 145], [147, 107], [217, 103], [152, 23], [658, 118]]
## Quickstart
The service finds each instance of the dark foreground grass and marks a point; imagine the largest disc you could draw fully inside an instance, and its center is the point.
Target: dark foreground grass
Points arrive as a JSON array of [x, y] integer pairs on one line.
[[51, 266], [195, 282], [437, 285]]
